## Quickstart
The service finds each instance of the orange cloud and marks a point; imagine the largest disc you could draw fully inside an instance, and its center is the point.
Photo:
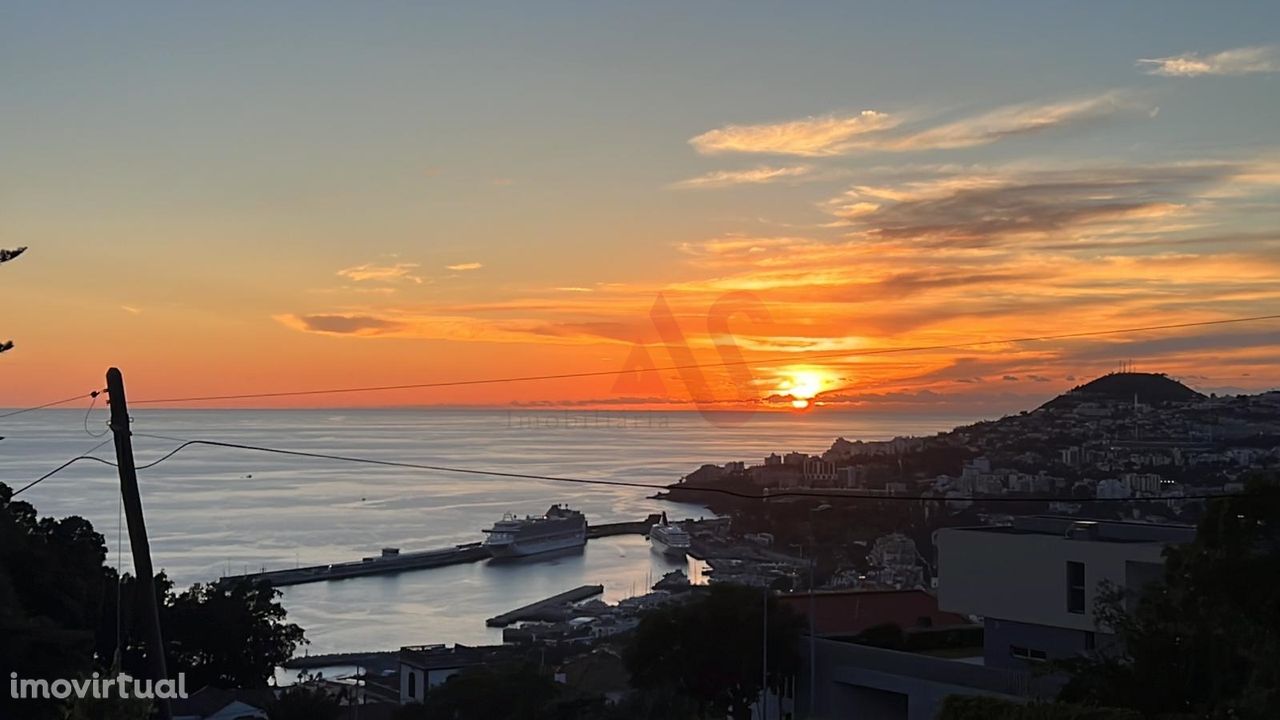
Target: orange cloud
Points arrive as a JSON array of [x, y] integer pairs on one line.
[[1016, 120], [832, 135], [813, 136], [1239, 61], [753, 176], [372, 272]]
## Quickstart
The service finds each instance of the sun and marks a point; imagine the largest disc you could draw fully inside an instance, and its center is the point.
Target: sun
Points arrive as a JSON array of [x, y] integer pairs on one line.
[[802, 385]]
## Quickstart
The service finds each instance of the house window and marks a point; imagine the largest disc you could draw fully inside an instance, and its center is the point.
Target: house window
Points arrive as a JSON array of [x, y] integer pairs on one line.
[[1075, 587], [1090, 641], [1028, 654], [413, 685]]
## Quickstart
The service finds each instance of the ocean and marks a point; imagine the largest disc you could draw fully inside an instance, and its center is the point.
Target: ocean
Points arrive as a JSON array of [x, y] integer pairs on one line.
[[214, 511]]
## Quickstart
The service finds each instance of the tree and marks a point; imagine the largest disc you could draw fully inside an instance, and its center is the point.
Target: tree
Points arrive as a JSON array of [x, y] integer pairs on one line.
[[58, 614], [484, 693], [233, 635], [51, 587], [112, 708], [6, 256], [654, 704], [230, 635], [709, 649], [1204, 641], [965, 707], [303, 702]]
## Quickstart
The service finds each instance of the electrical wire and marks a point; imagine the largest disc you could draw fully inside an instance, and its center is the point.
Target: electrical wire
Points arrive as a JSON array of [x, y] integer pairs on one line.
[[79, 458], [186, 443], [92, 402], [798, 357], [54, 403]]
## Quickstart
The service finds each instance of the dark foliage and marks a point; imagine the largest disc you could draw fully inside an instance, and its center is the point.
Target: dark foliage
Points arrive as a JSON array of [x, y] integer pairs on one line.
[[58, 614], [709, 649], [502, 693], [1204, 642], [51, 589], [6, 256], [959, 707], [224, 635], [303, 702]]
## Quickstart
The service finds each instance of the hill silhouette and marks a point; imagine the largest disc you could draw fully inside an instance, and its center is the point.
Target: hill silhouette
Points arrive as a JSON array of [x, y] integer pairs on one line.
[[1149, 388]]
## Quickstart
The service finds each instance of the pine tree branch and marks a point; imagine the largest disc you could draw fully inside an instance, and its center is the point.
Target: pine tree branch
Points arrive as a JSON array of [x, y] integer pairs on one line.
[[7, 255]]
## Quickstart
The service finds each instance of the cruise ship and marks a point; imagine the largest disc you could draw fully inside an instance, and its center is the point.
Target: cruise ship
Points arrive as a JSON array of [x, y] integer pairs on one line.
[[559, 529], [669, 539]]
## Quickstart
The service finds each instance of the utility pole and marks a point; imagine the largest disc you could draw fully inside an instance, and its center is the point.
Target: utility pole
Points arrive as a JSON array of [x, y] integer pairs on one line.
[[813, 635], [138, 543], [764, 659], [813, 651]]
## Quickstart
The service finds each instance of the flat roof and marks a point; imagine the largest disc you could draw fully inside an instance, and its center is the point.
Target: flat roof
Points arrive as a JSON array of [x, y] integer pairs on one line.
[[1089, 530]]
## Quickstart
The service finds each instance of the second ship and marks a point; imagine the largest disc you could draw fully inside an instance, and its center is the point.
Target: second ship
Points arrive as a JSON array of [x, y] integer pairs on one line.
[[669, 538]]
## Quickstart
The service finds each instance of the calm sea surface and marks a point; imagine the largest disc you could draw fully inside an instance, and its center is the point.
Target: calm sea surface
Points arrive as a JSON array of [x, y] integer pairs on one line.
[[210, 510]]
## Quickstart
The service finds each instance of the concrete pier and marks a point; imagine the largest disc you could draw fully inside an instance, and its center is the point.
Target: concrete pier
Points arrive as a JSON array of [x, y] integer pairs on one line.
[[389, 562], [545, 609]]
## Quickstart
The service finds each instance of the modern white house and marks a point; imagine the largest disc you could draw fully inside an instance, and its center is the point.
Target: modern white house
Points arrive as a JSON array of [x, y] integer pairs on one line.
[[1031, 585], [1035, 582]]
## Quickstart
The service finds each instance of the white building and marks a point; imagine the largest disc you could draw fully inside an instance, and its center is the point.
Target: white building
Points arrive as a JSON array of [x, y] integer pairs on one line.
[[1033, 583], [1036, 581], [426, 666], [819, 472], [1111, 488], [1140, 484]]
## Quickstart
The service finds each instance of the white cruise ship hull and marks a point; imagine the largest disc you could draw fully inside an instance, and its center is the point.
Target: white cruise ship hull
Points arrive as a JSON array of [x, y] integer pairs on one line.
[[663, 547], [535, 546]]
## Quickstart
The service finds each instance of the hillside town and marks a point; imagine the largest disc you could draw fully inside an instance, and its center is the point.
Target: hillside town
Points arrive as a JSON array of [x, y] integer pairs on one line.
[[1127, 446]]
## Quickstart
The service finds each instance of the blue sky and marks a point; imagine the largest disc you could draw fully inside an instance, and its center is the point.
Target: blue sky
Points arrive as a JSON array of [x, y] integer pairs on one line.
[[237, 157]]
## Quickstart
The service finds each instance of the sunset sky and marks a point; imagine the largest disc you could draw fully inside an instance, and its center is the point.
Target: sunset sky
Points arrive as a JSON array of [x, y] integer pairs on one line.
[[247, 197]]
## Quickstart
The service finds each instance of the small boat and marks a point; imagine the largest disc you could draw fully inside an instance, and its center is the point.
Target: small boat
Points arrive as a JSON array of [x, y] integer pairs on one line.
[[668, 538]]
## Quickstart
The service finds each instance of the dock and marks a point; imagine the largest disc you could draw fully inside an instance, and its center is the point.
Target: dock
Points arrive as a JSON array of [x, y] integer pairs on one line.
[[390, 561], [393, 561], [548, 609], [623, 528]]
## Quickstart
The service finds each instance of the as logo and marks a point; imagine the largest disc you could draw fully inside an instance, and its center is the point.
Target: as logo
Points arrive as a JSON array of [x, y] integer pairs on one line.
[[641, 376]]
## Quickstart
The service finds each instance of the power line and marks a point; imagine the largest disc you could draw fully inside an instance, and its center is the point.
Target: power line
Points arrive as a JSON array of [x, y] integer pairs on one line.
[[185, 443], [689, 366], [93, 402], [64, 401], [64, 466], [767, 361]]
